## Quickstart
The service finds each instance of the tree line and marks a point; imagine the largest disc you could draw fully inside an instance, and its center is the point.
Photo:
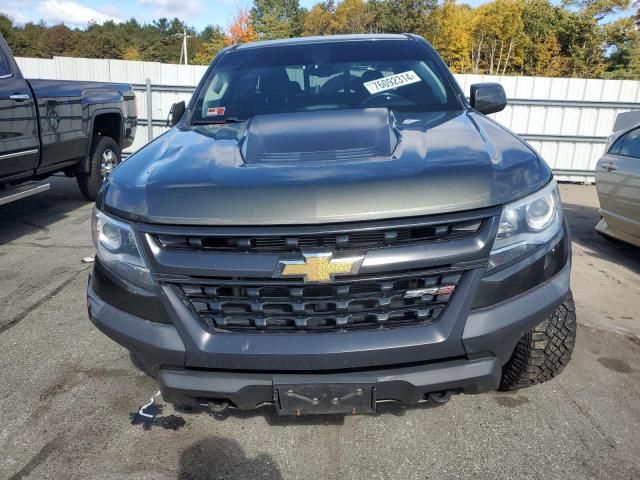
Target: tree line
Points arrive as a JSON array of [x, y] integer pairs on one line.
[[520, 37]]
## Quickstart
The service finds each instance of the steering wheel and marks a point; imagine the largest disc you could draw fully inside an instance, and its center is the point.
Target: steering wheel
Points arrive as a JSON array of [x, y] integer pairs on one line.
[[387, 96], [336, 85]]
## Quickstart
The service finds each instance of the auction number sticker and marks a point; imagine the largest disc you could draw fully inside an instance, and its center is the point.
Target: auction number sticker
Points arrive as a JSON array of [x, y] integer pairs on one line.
[[391, 82], [215, 111]]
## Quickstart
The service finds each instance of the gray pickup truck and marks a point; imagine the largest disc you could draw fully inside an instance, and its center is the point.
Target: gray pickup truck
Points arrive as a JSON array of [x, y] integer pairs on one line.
[[50, 126], [331, 224]]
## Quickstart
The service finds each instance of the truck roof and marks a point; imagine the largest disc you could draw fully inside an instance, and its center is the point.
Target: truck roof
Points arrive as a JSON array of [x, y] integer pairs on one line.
[[323, 39]]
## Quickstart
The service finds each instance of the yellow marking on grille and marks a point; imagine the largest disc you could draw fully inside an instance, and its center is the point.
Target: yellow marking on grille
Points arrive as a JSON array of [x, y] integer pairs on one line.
[[318, 268]]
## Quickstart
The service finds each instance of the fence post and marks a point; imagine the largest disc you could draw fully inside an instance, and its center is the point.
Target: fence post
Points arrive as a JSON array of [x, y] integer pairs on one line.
[[149, 112]]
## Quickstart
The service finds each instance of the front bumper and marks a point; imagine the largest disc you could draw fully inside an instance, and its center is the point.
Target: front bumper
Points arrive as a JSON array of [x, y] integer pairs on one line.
[[408, 385], [468, 359]]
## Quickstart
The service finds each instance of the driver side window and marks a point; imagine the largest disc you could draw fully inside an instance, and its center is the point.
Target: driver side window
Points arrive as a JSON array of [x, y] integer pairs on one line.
[[215, 92], [4, 67]]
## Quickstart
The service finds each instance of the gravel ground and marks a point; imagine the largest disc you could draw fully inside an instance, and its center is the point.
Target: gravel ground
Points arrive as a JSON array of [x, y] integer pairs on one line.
[[68, 392]]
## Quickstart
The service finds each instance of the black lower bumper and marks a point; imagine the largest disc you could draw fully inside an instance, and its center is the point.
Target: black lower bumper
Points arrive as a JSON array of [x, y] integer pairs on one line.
[[408, 385]]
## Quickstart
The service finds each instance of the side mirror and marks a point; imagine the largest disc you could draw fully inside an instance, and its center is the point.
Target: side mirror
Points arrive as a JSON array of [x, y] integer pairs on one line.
[[488, 97], [176, 113]]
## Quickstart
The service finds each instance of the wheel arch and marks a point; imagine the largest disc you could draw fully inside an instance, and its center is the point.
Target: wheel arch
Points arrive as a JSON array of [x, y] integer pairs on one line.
[[107, 122]]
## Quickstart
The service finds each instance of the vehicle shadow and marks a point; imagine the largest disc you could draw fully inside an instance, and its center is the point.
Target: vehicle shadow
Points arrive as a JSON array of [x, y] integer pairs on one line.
[[223, 458], [33, 215], [268, 412], [582, 221]]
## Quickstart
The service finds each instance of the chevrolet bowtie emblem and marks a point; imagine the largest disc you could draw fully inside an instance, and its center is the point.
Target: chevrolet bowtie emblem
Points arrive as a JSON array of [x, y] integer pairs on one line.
[[319, 267]]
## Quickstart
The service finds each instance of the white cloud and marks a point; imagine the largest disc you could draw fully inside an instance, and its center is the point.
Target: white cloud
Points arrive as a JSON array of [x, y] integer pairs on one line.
[[182, 9], [15, 9], [72, 13]]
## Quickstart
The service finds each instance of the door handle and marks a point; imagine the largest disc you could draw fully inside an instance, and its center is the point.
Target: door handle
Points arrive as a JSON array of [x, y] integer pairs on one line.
[[608, 166], [19, 97]]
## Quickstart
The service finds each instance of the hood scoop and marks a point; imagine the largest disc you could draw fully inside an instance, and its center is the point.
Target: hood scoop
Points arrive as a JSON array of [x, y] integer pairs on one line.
[[319, 136]]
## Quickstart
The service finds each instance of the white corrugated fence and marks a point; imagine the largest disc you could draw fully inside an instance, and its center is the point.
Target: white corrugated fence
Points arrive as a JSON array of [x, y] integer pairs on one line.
[[566, 119]]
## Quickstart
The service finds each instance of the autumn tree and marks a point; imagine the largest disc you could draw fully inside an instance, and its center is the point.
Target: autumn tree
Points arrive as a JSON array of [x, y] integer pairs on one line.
[[580, 38], [351, 16], [241, 29], [498, 36], [131, 53], [318, 20], [542, 50], [58, 40], [549, 61], [449, 31]]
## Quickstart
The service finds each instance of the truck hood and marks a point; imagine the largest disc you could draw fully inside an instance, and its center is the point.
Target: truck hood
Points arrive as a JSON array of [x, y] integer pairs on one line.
[[321, 167]]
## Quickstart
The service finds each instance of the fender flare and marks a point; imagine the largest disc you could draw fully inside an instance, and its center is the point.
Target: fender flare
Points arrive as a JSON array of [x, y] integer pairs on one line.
[[85, 165]]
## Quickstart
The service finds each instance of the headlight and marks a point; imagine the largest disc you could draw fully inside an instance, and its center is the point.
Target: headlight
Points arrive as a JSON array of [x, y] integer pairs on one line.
[[117, 249], [526, 224]]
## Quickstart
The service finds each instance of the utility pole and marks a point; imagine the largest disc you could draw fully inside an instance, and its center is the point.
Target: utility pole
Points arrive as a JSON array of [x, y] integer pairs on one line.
[[183, 51]]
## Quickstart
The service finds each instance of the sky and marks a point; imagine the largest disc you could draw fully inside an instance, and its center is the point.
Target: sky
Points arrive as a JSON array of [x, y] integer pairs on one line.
[[78, 13]]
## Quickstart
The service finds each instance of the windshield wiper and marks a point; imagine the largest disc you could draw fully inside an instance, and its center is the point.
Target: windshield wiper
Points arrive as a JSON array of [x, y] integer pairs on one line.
[[221, 121]]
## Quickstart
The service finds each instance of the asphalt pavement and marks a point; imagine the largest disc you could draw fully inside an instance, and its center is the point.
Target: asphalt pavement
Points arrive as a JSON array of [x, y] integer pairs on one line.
[[68, 394]]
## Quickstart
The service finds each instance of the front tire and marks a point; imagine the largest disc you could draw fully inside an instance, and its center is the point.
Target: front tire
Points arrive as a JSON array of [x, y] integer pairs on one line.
[[104, 157], [543, 352]]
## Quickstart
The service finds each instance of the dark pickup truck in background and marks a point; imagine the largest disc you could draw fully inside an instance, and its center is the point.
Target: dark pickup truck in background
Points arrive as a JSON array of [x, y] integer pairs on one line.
[[50, 126]]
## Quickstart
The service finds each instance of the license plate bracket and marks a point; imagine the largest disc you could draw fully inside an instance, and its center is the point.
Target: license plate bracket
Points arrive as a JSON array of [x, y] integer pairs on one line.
[[303, 397]]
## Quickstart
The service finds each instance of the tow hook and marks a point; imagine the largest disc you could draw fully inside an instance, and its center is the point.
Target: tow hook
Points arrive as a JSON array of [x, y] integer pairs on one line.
[[217, 406], [440, 397]]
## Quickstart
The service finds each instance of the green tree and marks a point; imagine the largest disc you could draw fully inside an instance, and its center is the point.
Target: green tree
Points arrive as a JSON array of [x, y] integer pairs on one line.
[[623, 39], [26, 41], [160, 40], [6, 28], [582, 42], [212, 41], [400, 16], [277, 18], [100, 41], [597, 9]]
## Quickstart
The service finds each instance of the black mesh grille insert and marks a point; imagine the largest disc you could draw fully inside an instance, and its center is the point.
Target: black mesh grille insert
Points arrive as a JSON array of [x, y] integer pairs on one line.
[[376, 303]]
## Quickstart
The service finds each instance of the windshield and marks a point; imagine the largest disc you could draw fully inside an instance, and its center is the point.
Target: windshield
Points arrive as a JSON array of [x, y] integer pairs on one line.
[[398, 74]]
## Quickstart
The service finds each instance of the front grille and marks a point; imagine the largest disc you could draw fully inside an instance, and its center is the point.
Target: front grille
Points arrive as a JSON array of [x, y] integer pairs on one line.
[[363, 238], [276, 306]]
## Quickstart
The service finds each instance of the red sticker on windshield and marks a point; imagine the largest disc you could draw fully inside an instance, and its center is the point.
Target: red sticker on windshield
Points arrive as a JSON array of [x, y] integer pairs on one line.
[[215, 111]]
